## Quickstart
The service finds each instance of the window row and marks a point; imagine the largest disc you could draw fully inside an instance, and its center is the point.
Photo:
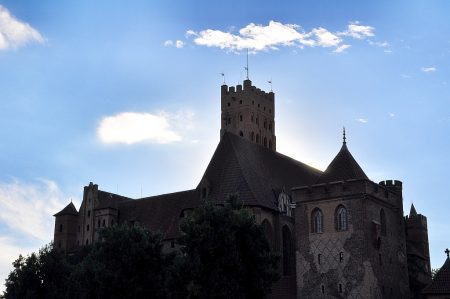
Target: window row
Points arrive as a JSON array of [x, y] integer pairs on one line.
[[341, 220], [253, 103]]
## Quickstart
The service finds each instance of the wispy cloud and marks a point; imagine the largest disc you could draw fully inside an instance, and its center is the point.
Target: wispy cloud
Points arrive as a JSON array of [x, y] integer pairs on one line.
[[133, 127], [428, 69], [15, 33], [257, 37], [391, 114], [177, 44], [362, 120], [28, 207]]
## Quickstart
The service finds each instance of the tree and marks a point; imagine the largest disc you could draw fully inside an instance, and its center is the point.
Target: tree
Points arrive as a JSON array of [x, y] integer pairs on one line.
[[41, 275], [225, 255], [126, 262]]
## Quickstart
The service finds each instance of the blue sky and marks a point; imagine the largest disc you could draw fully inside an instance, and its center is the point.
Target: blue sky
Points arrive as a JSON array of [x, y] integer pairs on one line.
[[127, 95]]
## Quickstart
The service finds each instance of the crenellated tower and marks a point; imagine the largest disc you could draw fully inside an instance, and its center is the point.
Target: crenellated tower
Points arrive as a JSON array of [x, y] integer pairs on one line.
[[249, 112]]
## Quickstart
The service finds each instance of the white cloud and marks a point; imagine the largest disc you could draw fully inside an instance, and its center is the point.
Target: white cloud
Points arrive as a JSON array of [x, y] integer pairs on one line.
[[29, 208], [378, 44], [362, 120], [132, 127], [15, 33], [179, 44], [256, 37], [428, 69], [358, 31], [341, 48], [391, 114], [168, 43]]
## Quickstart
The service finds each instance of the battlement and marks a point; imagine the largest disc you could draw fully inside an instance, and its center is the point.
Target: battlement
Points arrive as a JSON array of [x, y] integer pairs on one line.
[[391, 183], [248, 90], [347, 188]]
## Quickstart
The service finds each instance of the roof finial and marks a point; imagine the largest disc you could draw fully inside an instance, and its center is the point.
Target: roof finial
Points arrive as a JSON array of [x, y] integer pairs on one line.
[[343, 137], [223, 75], [246, 68], [447, 252]]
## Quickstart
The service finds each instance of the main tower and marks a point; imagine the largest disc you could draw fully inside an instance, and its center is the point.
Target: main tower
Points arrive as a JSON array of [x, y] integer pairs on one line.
[[249, 112]]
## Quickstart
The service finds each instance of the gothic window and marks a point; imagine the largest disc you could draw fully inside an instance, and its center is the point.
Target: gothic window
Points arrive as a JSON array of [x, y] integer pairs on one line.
[[340, 288], [257, 121], [319, 258], [60, 228], [257, 138], [104, 223], [241, 133], [288, 251], [383, 222], [268, 232], [229, 104], [89, 213], [98, 223], [341, 217], [253, 118], [241, 118], [317, 221], [87, 227], [87, 241], [341, 257], [265, 141]]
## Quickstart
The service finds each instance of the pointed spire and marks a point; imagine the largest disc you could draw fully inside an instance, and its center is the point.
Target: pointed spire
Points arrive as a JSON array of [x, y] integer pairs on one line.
[[412, 211], [344, 139]]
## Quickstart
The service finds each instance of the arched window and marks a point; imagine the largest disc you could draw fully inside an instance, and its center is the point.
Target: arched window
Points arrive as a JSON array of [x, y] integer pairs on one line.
[[288, 252], [268, 232], [241, 134], [317, 221], [270, 144], [341, 218], [383, 222], [265, 141], [60, 228], [253, 117], [257, 138], [241, 118]]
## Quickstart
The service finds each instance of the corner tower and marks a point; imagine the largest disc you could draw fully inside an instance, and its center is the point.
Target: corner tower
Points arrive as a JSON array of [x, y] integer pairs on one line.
[[249, 112]]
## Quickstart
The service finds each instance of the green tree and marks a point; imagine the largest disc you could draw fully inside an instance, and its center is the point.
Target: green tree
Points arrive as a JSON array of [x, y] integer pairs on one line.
[[41, 275], [126, 262], [224, 255]]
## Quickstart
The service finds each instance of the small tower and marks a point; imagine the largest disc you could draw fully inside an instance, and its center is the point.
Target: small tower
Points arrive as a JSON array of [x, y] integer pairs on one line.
[[65, 228], [249, 112], [417, 249]]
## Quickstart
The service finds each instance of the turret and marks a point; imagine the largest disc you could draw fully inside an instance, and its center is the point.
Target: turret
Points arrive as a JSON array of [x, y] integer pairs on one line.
[[249, 112], [65, 228]]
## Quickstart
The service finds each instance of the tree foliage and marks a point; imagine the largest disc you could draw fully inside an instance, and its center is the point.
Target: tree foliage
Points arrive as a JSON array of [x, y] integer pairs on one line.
[[223, 254]]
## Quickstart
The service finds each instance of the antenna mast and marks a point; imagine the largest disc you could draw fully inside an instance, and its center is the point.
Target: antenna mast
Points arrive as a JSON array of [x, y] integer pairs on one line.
[[246, 68]]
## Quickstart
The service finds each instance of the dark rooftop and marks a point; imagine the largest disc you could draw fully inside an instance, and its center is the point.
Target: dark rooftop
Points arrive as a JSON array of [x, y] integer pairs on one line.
[[68, 210], [441, 282]]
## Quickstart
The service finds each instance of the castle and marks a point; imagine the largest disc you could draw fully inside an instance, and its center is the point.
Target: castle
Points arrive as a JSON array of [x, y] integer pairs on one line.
[[339, 234]]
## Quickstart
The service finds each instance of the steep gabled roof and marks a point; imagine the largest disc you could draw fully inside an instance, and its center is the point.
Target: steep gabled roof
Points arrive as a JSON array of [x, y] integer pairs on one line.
[[343, 167], [68, 210], [412, 211], [160, 213], [109, 200], [252, 171], [441, 282]]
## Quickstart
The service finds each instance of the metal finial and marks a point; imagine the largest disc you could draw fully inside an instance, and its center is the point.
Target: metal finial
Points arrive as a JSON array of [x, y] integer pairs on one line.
[[270, 82], [223, 75], [246, 68], [447, 252], [344, 138]]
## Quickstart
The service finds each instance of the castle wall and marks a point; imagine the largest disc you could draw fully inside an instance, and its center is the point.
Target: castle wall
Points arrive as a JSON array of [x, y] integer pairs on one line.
[[65, 232]]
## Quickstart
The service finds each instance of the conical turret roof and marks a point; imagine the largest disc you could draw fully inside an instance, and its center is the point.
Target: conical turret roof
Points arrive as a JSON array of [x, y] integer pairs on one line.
[[343, 167], [68, 210], [441, 281], [412, 211]]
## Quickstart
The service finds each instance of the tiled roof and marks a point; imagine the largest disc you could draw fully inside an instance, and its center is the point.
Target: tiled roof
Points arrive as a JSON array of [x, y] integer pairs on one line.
[[252, 171], [159, 213], [68, 210], [343, 167], [109, 200], [441, 282]]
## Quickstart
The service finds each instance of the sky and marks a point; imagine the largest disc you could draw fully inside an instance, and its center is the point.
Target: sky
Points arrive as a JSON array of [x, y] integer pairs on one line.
[[127, 95]]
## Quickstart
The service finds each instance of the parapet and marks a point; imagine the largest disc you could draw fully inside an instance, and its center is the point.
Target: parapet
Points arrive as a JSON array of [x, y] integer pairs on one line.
[[247, 87], [391, 183]]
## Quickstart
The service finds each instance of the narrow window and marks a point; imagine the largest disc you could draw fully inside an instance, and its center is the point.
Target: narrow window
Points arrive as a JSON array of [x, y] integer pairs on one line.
[[172, 244], [319, 258], [60, 228], [87, 241], [379, 259], [240, 117], [79, 228], [89, 213], [258, 105], [240, 101], [270, 144], [253, 102], [270, 110], [317, 221], [264, 108], [87, 227], [257, 138], [241, 134], [203, 192], [383, 222], [265, 124], [265, 141], [112, 221], [104, 223], [59, 244], [342, 218], [323, 289], [257, 121], [252, 136], [98, 223], [340, 288], [229, 120], [252, 118], [229, 104], [270, 127], [341, 257]]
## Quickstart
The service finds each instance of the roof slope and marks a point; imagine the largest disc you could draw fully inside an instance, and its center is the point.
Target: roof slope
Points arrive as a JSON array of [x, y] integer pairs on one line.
[[68, 210], [441, 282], [343, 167], [159, 213], [253, 171], [109, 200]]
